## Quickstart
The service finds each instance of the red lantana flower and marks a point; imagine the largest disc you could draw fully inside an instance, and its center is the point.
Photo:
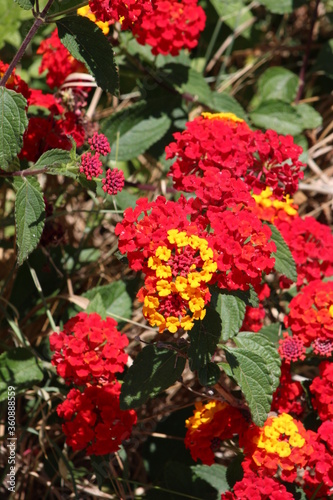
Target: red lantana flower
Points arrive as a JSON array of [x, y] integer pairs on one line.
[[94, 421], [322, 391], [211, 424], [171, 26], [252, 487], [57, 61], [224, 141], [127, 12], [89, 350], [289, 397], [311, 245], [311, 313], [280, 448]]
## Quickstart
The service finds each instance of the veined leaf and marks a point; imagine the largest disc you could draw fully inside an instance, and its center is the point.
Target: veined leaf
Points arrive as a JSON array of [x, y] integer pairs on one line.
[[29, 215], [284, 261], [14, 121]]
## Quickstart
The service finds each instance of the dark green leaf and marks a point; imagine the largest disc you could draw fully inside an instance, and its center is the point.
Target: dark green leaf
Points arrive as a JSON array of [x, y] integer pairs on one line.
[[153, 371], [25, 4], [278, 83], [215, 475], [18, 368], [224, 103], [232, 311], [29, 215], [204, 337], [259, 344], [13, 119], [252, 375], [279, 116], [134, 130], [284, 261], [324, 61], [187, 80], [115, 298], [87, 43], [209, 374]]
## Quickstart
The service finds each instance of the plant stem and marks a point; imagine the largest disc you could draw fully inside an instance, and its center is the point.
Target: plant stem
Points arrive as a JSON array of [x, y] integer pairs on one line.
[[40, 19], [307, 54]]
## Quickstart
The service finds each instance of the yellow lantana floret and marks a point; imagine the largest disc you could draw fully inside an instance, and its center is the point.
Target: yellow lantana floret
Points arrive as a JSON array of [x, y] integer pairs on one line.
[[222, 116], [86, 12]]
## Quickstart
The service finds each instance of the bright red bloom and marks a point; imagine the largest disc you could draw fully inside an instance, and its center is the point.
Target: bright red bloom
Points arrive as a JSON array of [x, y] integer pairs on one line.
[[100, 144], [145, 228], [43, 134], [89, 350], [311, 244], [289, 397], [211, 424], [252, 487], [171, 26], [91, 165], [126, 12], [94, 421], [224, 141], [280, 448], [311, 313], [291, 348], [243, 246], [322, 390], [318, 476], [57, 61]]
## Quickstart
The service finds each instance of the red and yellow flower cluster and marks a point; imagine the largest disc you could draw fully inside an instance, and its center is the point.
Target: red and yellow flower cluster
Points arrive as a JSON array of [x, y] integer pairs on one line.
[[89, 352], [211, 424]]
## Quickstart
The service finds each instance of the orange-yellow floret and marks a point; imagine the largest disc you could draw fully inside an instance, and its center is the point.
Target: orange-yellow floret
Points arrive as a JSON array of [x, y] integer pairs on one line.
[[222, 116], [266, 200]]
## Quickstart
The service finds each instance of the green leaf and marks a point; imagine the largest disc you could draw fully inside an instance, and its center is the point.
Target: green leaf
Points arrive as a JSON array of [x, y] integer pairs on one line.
[[259, 344], [271, 332], [234, 13], [29, 215], [57, 162], [224, 103], [215, 475], [283, 6], [18, 368], [284, 261], [153, 371], [14, 121], [209, 374], [278, 83], [25, 4], [187, 80], [204, 337], [52, 158], [232, 311], [252, 375], [309, 116], [115, 298], [87, 43], [279, 116], [96, 306], [12, 17], [134, 130]]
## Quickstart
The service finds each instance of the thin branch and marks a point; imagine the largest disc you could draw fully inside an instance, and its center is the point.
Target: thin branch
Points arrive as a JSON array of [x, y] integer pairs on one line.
[[307, 54]]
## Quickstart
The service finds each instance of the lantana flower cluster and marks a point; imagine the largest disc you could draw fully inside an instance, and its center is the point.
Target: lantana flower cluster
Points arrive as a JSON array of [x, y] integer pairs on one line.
[[89, 352], [211, 424]]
